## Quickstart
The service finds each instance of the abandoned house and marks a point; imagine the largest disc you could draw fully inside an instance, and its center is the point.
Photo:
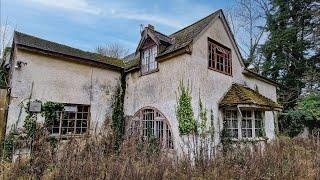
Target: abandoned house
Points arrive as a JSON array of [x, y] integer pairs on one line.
[[204, 55]]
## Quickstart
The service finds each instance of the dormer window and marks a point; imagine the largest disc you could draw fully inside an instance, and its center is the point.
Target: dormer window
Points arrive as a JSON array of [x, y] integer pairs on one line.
[[148, 60]]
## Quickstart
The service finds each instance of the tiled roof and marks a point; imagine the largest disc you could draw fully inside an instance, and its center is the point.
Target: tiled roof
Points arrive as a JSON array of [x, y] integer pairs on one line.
[[41, 44], [185, 36], [175, 41], [242, 95]]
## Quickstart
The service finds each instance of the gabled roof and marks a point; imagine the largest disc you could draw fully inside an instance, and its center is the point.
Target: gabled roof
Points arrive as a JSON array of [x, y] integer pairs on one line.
[[38, 44], [185, 36], [242, 95], [176, 41]]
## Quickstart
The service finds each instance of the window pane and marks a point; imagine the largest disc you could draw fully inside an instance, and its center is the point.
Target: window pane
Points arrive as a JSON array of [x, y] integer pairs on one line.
[[71, 122], [231, 123]]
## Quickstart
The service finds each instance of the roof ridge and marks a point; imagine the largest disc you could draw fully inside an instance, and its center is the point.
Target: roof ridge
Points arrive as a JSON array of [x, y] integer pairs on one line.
[[195, 22], [94, 53]]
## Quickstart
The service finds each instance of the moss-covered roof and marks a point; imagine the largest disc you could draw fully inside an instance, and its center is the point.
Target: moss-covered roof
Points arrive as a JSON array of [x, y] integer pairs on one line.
[[41, 44], [242, 95]]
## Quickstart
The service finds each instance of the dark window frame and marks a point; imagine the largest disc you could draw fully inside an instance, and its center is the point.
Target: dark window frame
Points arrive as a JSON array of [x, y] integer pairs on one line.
[[58, 126], [219, 57]]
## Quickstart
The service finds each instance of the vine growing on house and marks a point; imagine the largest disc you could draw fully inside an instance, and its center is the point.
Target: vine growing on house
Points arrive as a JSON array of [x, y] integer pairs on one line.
[[184, 113], [49, 111], [118, 119]]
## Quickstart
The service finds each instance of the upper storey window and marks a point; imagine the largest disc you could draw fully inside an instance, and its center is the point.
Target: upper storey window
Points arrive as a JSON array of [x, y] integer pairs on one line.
[[148, 60], [219, 57]]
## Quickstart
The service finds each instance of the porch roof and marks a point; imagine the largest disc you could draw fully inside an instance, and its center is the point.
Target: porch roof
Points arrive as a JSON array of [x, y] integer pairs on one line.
[[241, 95]]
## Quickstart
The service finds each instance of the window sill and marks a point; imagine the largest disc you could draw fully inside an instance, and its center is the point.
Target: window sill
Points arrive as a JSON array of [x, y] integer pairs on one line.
[[150, 72], [249, 139]]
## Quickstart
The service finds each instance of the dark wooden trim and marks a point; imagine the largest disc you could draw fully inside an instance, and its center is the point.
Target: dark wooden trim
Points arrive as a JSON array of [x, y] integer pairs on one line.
[[184, 50], [216, 60], [72, 58], [219, 44]]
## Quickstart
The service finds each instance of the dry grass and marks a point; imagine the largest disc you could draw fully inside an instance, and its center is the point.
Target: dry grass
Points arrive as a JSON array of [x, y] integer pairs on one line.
[[94, 158]]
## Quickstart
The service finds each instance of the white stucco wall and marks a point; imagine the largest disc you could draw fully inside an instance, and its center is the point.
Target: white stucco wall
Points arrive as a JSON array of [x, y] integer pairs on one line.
[[60, 80], [159, 89]]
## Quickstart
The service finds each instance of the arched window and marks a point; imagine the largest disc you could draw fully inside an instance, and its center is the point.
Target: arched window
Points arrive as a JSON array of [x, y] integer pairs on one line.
[[149, 122]]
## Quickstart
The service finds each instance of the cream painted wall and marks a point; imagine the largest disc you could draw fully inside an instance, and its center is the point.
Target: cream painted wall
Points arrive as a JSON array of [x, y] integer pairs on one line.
[[61, 81], [159, 89]]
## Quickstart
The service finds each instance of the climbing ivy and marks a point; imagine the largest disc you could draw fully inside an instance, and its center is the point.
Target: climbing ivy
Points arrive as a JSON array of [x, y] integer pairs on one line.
[[184, 113], [49, 111], [118, 119], [30, 124], [8, 146], [203, 119]]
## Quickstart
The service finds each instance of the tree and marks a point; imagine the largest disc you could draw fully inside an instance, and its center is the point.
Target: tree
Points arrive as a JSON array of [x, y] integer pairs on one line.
[[114, 50], [289, 48], [248, 23]]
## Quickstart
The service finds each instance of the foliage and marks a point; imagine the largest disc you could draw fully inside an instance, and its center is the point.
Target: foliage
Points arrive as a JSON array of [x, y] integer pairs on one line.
[[184, 113], [49, 111], [289, 51], [203, 119], [30, 124], [8, 146], [94, 158], [118, 119], [310, 105], [3, 71], [292, 122]]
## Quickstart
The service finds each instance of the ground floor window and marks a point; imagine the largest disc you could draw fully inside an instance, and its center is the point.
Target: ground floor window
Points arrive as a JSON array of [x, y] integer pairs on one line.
[[150, 123], [74, 119], [249, 125]]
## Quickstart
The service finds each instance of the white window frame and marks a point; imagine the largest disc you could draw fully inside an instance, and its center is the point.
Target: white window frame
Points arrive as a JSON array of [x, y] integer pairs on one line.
[[239, 123], [148, 60]]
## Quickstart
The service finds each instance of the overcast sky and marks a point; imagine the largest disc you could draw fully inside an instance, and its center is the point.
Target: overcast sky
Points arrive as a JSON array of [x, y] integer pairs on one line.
[[86, 24]]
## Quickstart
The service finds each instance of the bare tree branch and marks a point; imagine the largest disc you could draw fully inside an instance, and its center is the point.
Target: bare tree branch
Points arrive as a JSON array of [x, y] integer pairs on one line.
[[114, 50]]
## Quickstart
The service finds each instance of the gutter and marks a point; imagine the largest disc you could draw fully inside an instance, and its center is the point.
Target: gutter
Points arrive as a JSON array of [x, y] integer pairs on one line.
[[255, 75]]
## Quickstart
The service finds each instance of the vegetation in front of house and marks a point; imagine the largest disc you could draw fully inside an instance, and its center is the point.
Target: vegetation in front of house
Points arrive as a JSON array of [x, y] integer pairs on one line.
[[306, 114], [95, 158], [184, 112]]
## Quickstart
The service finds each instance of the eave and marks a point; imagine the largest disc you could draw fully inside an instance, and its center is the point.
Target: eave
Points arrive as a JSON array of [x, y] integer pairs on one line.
[[70, 58]]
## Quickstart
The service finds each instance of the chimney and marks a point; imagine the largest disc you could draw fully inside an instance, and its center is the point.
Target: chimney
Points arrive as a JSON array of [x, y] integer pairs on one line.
[[150, 27]]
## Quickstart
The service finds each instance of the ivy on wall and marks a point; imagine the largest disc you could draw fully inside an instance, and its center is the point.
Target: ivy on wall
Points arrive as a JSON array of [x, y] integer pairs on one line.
[[49, 111], [203, 119], [184, 113], [118, 119]]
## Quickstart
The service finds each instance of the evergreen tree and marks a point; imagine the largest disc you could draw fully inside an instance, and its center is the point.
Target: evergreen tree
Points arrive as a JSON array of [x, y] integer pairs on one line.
[[290, 48]]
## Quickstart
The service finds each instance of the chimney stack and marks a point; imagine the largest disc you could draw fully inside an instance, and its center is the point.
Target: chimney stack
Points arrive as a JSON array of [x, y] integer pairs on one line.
[[150, 27]]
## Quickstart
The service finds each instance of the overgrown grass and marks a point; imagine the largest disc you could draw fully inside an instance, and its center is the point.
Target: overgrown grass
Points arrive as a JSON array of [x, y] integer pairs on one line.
[[95, 158]]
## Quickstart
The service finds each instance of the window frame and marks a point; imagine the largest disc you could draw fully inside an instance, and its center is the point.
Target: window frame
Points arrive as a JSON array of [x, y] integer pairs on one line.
[[60, 115], [138, 127], [212, 57], [151, 51], [240, 120]]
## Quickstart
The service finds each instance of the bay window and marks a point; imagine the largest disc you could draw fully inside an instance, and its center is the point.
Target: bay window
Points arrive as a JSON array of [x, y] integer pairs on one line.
[[247, 125], [148, 60]]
